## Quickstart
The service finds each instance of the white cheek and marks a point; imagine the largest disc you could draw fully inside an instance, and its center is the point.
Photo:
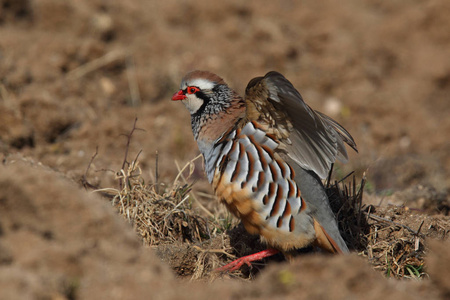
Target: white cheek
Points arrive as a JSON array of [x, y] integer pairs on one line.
[[193, 103]]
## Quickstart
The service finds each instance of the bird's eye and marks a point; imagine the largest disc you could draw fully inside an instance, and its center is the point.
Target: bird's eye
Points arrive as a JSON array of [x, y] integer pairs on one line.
[[192, 89]]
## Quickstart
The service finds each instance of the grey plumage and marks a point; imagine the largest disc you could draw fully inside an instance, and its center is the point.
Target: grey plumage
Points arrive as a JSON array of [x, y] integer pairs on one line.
[[313, 192]]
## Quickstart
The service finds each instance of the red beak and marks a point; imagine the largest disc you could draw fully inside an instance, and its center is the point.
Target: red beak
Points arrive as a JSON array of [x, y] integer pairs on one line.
[[179, 96]]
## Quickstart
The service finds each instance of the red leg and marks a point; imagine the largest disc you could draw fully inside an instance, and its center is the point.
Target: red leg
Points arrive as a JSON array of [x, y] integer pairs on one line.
[[236, 264]]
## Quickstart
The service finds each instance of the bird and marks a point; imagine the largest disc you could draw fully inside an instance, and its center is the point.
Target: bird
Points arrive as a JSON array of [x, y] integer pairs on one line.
[[265, 155]]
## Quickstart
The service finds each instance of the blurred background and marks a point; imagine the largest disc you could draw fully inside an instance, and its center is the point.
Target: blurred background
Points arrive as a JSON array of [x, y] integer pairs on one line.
[[75, 74]]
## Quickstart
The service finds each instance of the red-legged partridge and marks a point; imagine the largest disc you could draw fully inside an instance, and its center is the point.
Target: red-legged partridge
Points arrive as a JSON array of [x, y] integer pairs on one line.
[[265, 156]]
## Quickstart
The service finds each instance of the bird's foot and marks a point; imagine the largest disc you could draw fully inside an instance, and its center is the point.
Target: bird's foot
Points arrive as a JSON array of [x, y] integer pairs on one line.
[[236, 264]]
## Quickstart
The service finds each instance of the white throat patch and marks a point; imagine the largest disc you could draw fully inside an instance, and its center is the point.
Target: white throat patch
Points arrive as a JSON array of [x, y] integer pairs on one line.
[[192, 103]]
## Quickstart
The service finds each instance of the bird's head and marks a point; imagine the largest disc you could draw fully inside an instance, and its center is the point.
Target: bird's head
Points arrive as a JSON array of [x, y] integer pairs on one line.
[[203, 93]]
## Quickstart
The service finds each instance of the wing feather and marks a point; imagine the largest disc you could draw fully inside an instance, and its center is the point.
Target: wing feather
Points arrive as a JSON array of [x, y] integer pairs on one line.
[[313, 140]]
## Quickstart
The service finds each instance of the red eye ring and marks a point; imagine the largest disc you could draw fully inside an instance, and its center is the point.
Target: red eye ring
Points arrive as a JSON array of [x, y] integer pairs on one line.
[[192, 89]]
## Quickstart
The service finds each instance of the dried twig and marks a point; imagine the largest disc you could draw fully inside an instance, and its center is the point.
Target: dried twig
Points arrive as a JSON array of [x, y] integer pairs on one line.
[[378, 218], [127, 147], [180, 174], [156, 174], [84, 180]]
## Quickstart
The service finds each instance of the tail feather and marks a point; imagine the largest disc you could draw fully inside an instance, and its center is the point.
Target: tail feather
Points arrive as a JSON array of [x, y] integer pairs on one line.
[[324, 240]]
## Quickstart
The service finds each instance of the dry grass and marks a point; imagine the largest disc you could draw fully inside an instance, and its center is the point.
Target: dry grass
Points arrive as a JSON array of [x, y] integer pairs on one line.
[[158, 214], [397, 240], [346, 203], [164, 218], [392, 238]]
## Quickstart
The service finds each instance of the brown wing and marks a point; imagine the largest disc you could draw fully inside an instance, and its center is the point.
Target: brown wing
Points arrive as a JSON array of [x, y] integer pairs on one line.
[[312, 139]]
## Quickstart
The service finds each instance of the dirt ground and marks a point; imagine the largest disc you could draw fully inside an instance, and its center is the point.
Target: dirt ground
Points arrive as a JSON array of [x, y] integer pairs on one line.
[[74, 76]]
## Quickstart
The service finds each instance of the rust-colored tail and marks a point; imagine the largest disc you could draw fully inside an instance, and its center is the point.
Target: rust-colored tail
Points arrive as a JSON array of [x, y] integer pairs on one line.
[[324, 241]]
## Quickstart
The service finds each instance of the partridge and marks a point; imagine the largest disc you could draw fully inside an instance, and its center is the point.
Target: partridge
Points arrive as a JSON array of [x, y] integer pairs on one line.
[[265, 156]]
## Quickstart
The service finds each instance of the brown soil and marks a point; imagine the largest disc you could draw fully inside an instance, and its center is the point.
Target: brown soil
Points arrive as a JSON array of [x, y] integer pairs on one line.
[[74, 75]]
